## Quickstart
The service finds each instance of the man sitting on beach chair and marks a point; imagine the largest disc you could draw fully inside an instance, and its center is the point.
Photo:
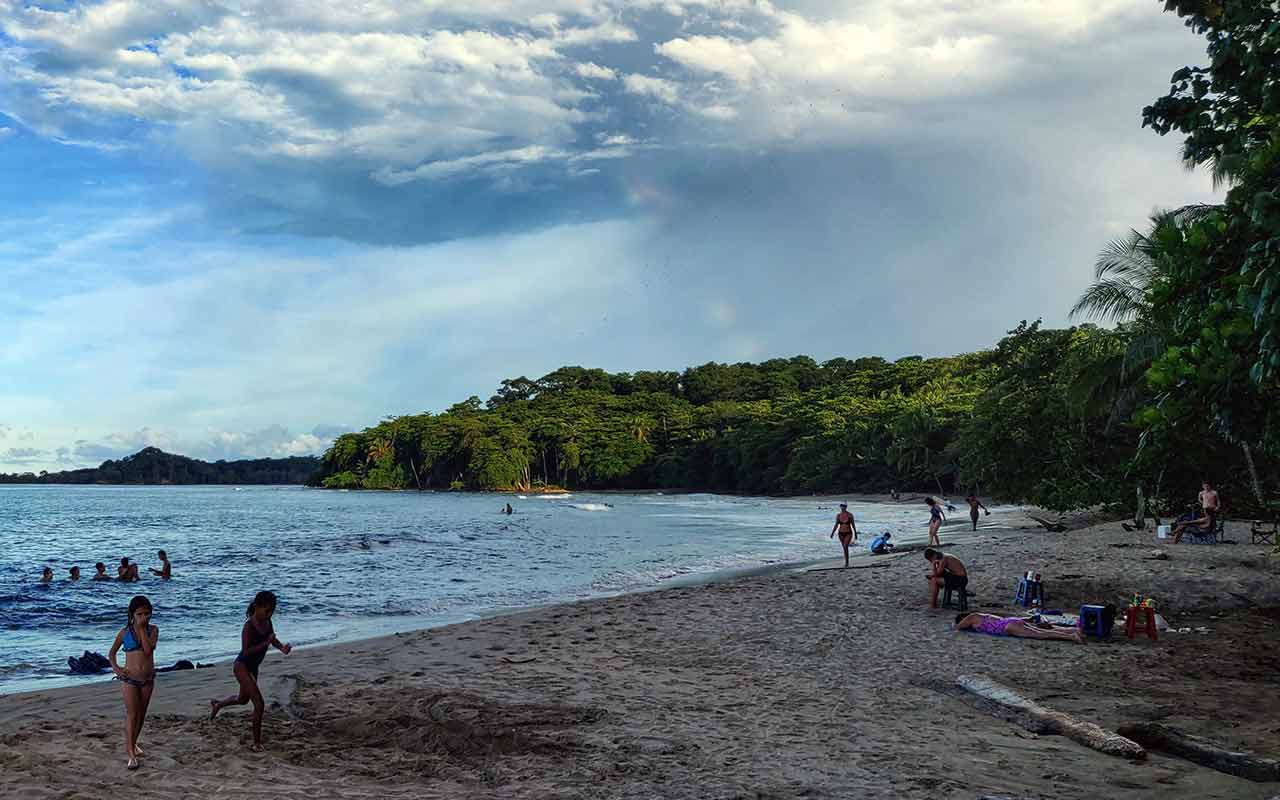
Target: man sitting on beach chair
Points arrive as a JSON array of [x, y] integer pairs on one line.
[[948, 572]]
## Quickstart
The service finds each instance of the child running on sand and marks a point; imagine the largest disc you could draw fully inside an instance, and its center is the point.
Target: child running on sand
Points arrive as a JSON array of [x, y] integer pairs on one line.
[[255, 637], [138, 676], [1013, 626]]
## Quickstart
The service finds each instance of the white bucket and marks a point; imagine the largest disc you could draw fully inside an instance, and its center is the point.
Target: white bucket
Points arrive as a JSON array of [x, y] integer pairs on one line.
[[1162, 532]]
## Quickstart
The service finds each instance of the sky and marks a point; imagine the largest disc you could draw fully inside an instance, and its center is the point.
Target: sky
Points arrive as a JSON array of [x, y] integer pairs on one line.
[[237, 229]]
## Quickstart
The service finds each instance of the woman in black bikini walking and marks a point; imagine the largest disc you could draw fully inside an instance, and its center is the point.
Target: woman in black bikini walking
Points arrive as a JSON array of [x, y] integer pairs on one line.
[[138, 676], [255, 637]]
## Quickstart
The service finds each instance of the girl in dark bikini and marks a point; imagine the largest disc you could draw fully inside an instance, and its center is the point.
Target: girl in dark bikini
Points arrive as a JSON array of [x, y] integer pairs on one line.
[[255, 637], [138, 676]]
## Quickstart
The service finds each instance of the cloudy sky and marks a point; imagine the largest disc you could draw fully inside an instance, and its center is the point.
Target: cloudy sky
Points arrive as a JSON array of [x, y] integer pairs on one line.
[[233, 229]]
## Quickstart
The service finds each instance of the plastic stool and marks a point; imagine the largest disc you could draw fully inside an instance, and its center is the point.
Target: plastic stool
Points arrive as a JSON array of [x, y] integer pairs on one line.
[[1131, 625], [1093, 621], [961, 604], [1030, 592]]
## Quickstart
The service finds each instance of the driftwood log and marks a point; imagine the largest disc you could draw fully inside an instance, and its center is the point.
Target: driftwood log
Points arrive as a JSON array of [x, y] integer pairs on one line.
[[1203, 752], [1055, 527], [1055, 722]]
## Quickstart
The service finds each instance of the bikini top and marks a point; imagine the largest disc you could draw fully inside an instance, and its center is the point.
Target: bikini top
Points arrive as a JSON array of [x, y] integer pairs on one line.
[[130, 642]]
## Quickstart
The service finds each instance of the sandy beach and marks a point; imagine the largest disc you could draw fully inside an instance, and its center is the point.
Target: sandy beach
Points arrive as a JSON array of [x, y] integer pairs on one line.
[[802, 683]]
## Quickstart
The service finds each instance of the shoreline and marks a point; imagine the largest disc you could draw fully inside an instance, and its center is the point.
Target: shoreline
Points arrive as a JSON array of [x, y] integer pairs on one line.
[[793, 683], [858, 555]]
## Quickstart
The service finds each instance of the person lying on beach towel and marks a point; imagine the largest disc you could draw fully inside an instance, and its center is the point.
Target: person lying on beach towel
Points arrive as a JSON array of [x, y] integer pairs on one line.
[[1013, 626]]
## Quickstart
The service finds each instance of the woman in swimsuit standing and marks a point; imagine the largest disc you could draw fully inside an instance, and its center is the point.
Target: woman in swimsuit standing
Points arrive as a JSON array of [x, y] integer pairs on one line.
[[138, 676], [255, 637], [935, 520]]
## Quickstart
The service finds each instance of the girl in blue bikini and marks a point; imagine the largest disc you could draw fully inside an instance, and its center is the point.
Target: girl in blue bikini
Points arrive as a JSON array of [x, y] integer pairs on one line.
[[255, 637], [138, 676]]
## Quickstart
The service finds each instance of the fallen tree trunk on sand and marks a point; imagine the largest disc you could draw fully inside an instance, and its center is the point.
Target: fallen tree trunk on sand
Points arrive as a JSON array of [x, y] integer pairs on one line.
[[1055, 722], [1203, 752], [1055, 527]]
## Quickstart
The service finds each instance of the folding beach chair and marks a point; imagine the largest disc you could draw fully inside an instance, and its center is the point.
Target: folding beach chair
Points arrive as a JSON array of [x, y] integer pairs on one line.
[[1264, 532]]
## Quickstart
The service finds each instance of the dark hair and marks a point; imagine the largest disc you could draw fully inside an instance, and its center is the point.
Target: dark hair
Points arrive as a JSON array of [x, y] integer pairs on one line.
[[263, 599], [124, 562], [929, 501], [48, 569], [961, 616], [74, 569], [99, 566], [930, 553], [139, 601], [163, 554]]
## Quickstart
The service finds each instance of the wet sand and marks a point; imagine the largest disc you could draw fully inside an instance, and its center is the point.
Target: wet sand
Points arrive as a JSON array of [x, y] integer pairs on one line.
[[809, 683]]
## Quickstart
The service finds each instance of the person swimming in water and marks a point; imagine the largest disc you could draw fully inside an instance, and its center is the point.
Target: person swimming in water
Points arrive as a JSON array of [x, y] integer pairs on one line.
[[47, 575], [255, 637], [166, 569], [73, 574], [1013, 626], [127, 572], [936, 518], [138, 675], [848, 529], [101, 574]]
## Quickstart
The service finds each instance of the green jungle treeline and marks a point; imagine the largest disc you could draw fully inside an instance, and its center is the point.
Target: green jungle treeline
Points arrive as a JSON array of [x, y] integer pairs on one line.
[[1028, 420], [154, 466], [1186, 386]]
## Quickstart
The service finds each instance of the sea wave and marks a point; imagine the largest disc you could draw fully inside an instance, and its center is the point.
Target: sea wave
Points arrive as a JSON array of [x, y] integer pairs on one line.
[[591, 506]]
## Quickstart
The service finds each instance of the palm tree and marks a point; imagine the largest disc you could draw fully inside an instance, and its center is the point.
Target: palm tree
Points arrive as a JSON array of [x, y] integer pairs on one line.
[[1127, 267], [1124, 274]]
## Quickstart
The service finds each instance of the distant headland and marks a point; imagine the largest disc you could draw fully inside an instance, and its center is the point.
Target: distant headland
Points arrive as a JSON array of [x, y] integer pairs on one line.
[[152, 466]]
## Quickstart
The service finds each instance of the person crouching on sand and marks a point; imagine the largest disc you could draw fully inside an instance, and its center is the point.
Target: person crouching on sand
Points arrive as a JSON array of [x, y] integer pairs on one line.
[[848, 530], [1013, 626], [255, 637], [138, 676]]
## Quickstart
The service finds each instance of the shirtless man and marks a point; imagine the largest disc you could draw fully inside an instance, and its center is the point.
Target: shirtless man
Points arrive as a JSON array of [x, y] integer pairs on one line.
[[166, 569], [1208, 498], [974, 505], [947, 571], [848, 530]]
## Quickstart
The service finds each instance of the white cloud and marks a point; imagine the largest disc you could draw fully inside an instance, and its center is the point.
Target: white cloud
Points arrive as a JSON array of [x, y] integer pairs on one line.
[[594, 71], [431, 88], [658, 88]]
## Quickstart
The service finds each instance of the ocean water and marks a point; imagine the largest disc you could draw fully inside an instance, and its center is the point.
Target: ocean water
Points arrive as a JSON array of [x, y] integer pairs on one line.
[[349, 565]]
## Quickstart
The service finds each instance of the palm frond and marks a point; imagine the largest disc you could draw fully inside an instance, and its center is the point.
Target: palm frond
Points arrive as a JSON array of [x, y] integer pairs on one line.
[[1110, 301], [1128, 258]]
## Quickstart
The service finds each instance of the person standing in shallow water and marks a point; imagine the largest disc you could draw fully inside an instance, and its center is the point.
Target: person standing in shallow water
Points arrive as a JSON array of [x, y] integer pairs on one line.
[[847, 528], [166, 569], [974, 505], [255, 637], [936, 518]]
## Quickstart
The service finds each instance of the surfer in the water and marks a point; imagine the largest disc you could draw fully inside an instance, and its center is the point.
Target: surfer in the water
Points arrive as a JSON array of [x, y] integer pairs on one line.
[[847, 528]]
